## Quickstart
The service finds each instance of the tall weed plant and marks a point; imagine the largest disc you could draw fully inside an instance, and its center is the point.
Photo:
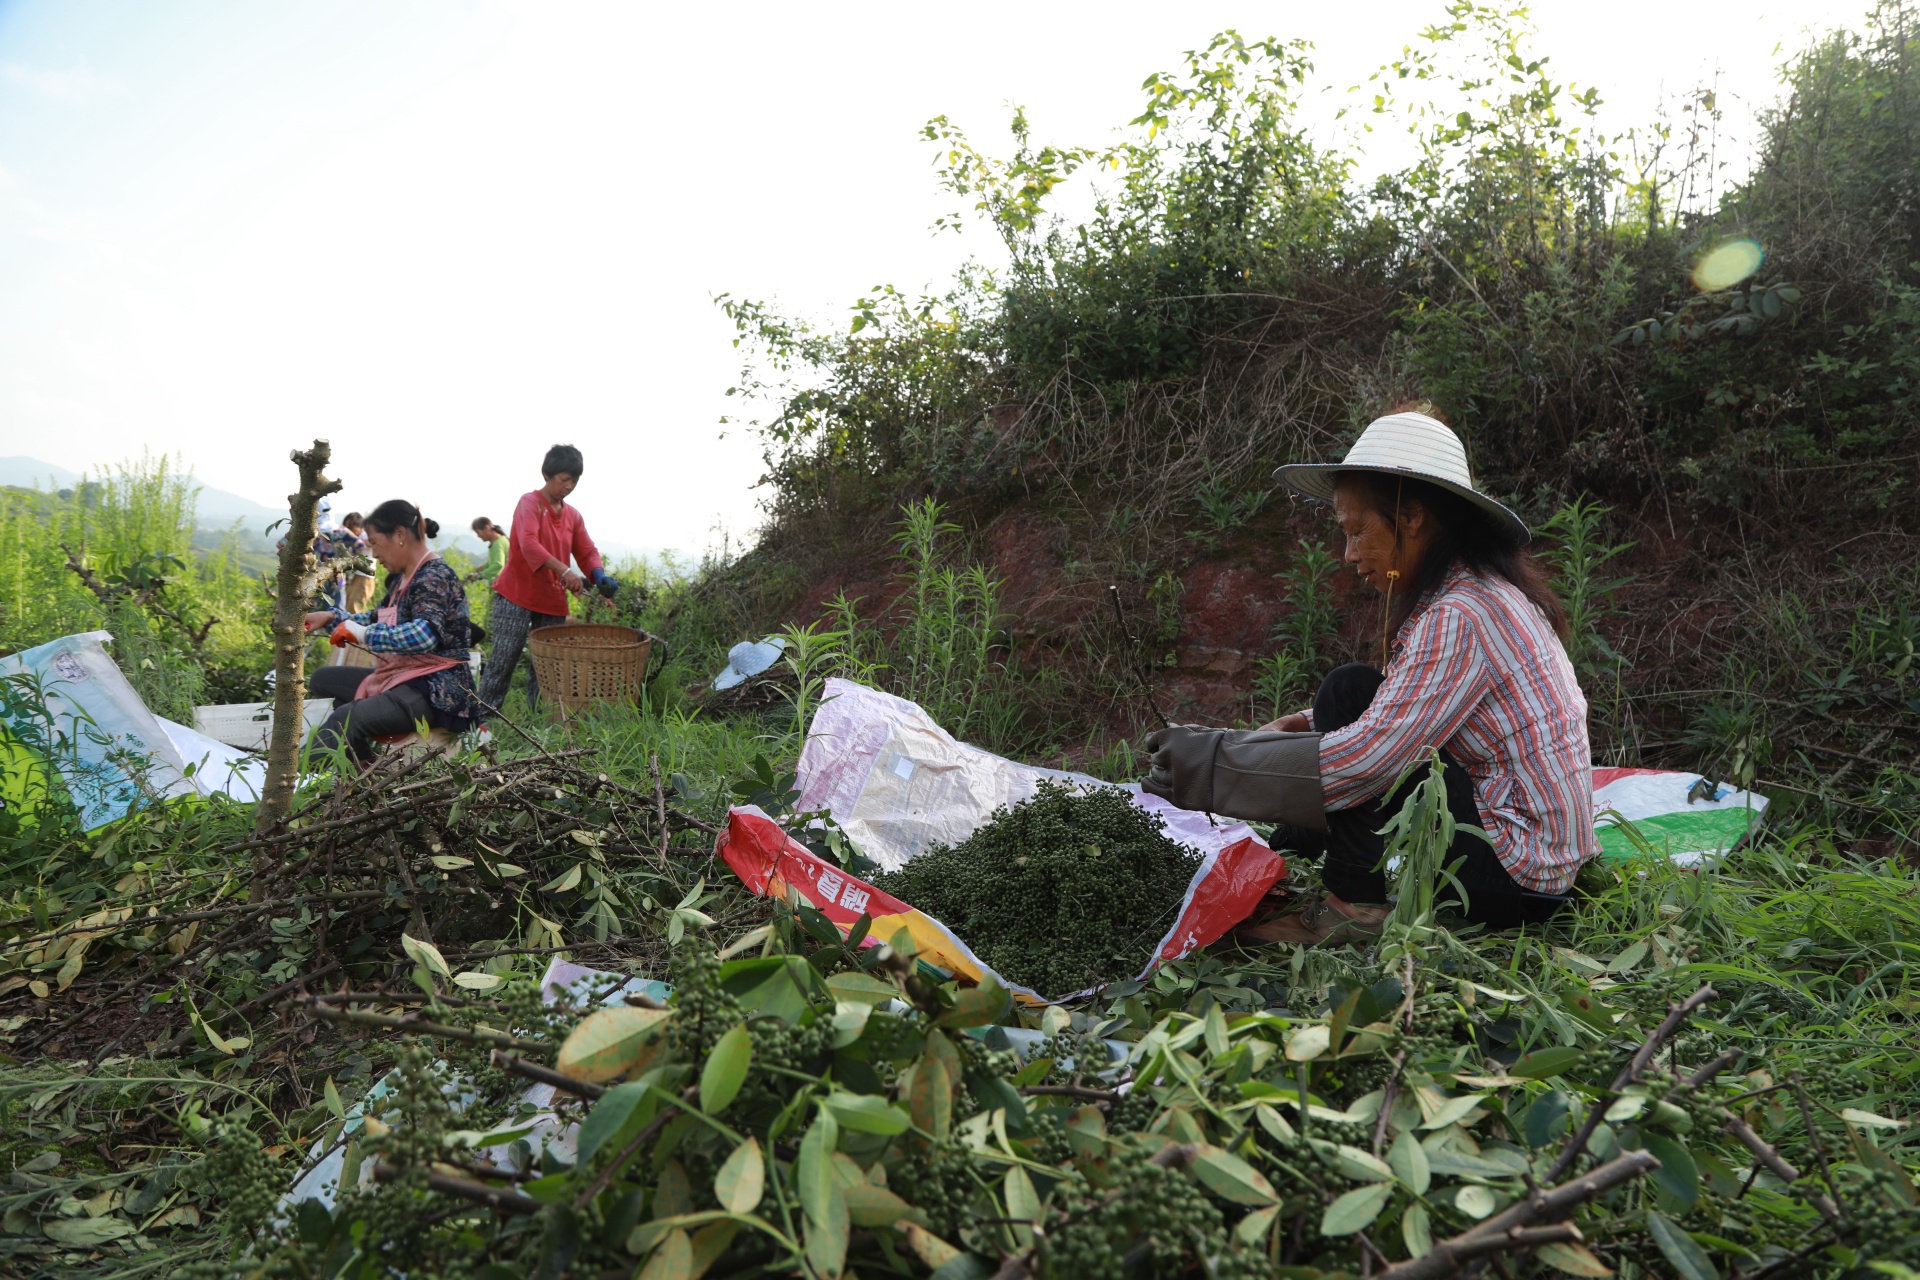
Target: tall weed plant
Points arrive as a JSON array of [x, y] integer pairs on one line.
[[134, 529]]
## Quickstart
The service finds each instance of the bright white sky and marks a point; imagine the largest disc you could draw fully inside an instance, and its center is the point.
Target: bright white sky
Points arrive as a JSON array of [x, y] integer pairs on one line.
[[446, 234]]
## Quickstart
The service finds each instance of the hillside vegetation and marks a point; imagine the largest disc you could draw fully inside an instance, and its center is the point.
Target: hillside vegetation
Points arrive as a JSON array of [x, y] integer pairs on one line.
[[1699, 387]]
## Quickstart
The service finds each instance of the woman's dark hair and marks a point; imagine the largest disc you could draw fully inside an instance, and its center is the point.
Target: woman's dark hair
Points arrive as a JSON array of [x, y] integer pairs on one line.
[[481, 524], [398, 513], [1467, 536], [562, 459]]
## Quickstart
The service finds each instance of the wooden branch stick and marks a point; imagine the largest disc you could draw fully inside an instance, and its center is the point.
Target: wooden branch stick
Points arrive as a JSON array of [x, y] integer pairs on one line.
[[499, 1199], [1773, 1162], [411, 1025], [182, 917], [1070, 1091], [1507, 1230], [518, 1066], [291, 586], [1678, 1014]]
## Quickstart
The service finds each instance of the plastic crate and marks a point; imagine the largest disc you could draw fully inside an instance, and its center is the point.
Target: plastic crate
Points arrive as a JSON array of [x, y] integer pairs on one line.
[[248, 725]]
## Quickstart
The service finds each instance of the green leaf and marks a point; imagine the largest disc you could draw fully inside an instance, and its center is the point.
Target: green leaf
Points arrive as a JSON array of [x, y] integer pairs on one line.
[[866, 1113], [932, 1098], [1364, 1166], [742, 1180], [746, 942], [609, 1115], [1355, 1210], [1454, 1109], [774, 985], [710, 1241], [1022, 1201], [1233, 1179], [975, 1007], [1216, 1030], [1308, 1043], [609, 1043], [1416, 1228], [1252, 1229], [1585, 1007], [565, 882], [672, 1259], [1687, 1257], [334, 1105], [474, 980], [814, 1171], [871, 1206], [426, 955], [1573, 1259], [1544, 1064], [850, 1019], [86, 1232], [862, 988], [826, 1242], [726, 1070], [1473, 1200], [1409, 1161], [1853, 1115], [1632, 956], [1677, 1175], [1543, 1120]]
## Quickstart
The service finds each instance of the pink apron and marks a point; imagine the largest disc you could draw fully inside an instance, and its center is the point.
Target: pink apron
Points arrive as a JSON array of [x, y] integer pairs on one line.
[[392, 669]]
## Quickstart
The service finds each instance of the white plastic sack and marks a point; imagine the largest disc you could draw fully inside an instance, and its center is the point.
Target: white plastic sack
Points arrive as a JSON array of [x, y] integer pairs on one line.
[[68, 704], [898, 784]]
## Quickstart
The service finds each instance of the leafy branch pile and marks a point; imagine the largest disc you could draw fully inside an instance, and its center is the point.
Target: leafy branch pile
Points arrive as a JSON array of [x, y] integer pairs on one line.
[[489, 857], [843, 1112], [1059, 892]]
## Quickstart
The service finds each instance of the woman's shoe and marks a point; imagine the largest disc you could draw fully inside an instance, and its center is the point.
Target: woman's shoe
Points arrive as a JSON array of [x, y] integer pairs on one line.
[[1332, 919]]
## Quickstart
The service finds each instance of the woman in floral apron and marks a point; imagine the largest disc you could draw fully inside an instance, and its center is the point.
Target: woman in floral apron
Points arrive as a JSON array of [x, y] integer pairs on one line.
[[419, 637]]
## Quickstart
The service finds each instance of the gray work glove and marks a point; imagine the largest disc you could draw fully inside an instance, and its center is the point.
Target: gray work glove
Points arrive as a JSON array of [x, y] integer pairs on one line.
[[1239, 773]]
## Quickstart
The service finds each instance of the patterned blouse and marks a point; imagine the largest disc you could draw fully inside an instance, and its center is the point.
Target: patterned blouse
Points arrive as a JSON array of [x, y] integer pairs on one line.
[[433, 619], [1477, 669]]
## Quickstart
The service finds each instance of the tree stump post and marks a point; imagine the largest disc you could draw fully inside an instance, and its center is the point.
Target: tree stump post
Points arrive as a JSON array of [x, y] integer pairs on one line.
[[292, 585]]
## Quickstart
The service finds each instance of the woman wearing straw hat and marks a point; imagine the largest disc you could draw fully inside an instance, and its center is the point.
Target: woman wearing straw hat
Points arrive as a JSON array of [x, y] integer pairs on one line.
[[1475, 668]]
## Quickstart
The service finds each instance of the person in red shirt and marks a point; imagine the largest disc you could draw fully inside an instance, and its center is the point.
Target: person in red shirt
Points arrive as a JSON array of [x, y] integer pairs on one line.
[[531, 592]]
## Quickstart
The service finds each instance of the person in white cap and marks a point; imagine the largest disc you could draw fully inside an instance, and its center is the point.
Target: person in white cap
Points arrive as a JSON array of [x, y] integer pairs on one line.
[[1475, 668]]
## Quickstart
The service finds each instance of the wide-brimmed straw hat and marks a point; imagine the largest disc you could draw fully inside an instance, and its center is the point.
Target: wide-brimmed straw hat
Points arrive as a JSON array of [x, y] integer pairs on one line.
[[1403, 444]]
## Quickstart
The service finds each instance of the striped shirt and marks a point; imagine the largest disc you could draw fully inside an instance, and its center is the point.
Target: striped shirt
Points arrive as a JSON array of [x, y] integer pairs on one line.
[[1478, 670]]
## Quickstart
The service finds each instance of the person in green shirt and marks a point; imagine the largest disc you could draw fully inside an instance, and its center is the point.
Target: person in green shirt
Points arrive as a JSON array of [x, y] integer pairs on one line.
[[496, 539]]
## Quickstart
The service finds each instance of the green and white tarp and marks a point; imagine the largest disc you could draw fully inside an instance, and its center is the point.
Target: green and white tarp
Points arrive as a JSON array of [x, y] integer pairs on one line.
[[1682, 817], [69, 721]]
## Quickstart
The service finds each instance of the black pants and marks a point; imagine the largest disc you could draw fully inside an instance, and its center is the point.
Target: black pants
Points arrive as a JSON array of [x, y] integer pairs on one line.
[[1354, 846], [358, 723]]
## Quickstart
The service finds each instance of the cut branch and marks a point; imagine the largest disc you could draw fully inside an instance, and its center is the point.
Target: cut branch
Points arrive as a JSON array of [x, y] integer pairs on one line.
[[1631, 1072], [526, 1070], [416, 1026], [291, 587], [1507, 1230], [1776, 1164], [499, 1199]]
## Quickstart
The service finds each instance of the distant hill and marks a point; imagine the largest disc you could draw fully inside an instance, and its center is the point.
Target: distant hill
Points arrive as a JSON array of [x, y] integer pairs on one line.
[[213, 508]]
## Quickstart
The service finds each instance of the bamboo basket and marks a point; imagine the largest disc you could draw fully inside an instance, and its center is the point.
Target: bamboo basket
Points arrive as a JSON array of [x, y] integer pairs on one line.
[[582, 663]]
